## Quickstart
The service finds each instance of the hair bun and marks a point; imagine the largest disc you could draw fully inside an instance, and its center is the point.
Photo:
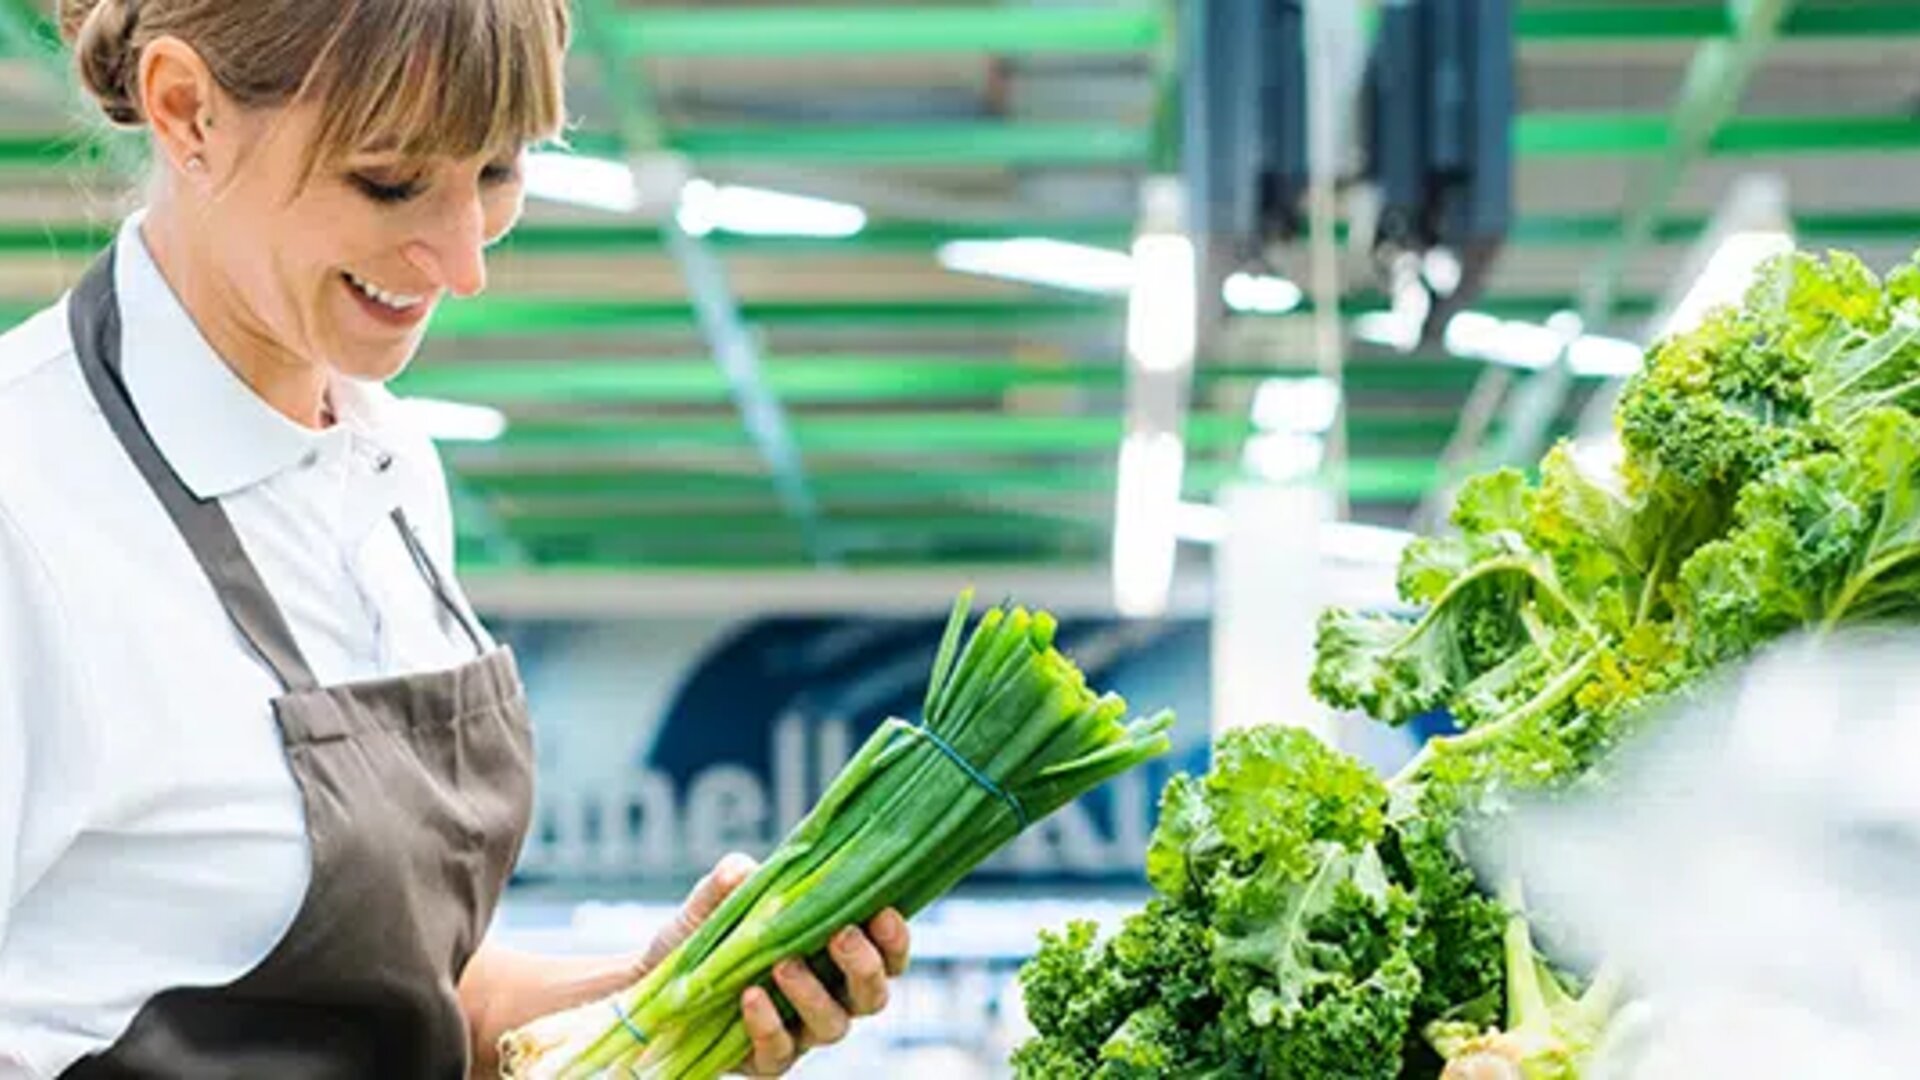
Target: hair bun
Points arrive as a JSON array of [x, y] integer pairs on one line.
[[101, 33]]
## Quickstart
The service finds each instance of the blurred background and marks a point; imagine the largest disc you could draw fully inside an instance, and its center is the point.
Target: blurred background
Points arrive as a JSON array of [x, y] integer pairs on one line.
[[1177, 318]]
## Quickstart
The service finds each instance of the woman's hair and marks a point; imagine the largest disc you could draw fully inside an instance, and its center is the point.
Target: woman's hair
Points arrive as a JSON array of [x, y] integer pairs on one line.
[[423, 78]]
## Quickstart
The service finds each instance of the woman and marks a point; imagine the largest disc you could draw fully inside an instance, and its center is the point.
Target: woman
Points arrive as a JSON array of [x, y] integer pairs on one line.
[[262, 773]]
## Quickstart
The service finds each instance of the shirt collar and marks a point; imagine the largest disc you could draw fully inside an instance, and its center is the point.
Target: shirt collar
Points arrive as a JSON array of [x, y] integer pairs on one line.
[[214, 431]]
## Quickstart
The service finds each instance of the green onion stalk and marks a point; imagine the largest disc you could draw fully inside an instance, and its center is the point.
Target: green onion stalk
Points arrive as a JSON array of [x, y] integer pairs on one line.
[[1010, 733]]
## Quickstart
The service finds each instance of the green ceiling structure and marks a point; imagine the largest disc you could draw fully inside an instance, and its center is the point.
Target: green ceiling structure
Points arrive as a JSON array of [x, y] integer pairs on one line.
[[970, 426]]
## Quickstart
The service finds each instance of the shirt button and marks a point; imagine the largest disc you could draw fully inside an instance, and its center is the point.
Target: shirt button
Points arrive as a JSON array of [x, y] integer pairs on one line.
[[309, 459]]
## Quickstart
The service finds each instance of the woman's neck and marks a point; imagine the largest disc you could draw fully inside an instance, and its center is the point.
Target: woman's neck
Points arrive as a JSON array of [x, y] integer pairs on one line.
[[294, 386]]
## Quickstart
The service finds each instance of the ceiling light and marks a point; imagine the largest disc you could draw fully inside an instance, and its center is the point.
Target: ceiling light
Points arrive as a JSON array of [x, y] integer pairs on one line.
[[1151, 467], [1388, 330], [1283, 457], [706, 207], [1163, 312], [1305, 406], [1442, 270], [581, 181], [1263, 294], [1509, 341], [1039, 261], [1596, 356], [1199, 523], [452, 421]]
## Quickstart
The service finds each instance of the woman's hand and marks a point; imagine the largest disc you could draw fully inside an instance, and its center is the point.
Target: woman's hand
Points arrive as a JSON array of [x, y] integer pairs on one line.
[[867, 957]]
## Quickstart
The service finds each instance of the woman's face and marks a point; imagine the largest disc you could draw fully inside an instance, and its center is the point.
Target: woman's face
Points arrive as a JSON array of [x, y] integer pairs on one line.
[[346, 270]]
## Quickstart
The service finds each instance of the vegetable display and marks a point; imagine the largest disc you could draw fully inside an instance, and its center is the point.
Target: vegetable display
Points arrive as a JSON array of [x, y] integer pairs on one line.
[[1011, 732], [1315, 921]]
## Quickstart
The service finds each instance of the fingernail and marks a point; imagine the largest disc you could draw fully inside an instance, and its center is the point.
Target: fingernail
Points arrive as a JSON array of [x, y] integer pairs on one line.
[[790, 968], [843, 941]]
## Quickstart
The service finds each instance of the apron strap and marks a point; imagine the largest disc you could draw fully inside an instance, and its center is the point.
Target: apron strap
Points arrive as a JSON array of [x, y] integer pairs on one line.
[[436, 579], [93, 316]]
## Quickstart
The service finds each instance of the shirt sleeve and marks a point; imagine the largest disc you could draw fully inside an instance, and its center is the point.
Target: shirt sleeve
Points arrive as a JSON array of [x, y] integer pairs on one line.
[[44, 747]]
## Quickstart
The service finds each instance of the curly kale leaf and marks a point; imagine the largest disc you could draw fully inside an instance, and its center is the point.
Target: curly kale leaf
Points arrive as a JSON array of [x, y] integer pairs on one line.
[[1145, 996], [1831, 538], [1317, 974]]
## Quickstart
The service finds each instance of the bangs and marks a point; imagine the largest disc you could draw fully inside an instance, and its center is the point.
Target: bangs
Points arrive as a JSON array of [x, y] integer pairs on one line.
[[427, 79]]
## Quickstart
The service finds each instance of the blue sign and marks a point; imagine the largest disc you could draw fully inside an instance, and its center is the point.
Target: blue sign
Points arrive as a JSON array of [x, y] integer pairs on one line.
[[664, 744]]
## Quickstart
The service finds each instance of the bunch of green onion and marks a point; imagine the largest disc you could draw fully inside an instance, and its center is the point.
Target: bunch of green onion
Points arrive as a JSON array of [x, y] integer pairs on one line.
[[1011, 732]]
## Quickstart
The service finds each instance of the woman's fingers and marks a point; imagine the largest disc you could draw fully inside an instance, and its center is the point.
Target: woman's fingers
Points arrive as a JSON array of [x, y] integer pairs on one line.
[[866, 971], [889, 931], [823, 1020], [774, 1049]]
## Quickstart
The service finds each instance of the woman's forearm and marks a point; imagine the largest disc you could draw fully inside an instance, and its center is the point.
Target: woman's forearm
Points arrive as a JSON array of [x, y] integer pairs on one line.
[[502, 989]]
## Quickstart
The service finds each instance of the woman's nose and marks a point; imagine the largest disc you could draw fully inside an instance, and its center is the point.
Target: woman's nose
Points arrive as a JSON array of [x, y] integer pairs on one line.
[[453, 253]]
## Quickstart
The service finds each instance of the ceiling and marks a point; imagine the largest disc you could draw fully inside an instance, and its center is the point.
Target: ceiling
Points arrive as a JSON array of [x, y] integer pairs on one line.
[[939, 419]]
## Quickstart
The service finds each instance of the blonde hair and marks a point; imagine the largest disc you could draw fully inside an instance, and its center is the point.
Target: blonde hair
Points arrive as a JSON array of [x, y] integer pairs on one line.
[[420, 78]]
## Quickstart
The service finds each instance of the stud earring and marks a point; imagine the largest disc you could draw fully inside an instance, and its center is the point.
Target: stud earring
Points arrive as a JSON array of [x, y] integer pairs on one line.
[[196, 163]]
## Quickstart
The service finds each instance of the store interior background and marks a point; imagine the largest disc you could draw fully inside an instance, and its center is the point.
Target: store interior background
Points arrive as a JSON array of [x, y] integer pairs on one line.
[[831, 312]]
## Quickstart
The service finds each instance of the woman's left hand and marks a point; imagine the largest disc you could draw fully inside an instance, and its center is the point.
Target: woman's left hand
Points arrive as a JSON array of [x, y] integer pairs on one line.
[[867, 956]]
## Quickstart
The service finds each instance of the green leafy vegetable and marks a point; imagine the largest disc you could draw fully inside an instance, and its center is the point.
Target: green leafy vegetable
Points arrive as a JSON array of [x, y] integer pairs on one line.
[[1770, 484]]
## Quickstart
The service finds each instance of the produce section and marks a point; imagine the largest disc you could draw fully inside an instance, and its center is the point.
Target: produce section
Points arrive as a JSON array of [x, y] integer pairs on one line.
[[1441, 479]]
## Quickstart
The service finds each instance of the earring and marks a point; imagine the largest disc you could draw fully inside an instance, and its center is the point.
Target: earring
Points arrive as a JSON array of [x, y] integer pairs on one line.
[[196, 163]]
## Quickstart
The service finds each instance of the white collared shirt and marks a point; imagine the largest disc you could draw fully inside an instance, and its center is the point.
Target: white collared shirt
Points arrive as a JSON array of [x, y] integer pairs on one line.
[[151, 835]]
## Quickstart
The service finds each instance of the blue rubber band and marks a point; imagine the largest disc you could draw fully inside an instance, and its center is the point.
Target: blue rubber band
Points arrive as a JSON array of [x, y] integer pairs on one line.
[[625, 1022], [978, 777]]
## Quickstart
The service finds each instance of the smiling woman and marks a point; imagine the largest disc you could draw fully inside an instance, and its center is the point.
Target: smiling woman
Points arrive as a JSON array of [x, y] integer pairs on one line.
[[374, 145], [263, 772]]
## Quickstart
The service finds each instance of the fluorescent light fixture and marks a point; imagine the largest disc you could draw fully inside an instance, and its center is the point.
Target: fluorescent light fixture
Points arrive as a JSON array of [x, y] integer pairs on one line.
[[1151, 465], [1282, 457], [1303, 406], [577, 180], [452, 421], [1386, 329], [1442, 270], [1525, 345], [1602, 357], [1725, 278], [1263, 294], [1037, 260], [1163, 313], [1471, 333], [706, 207], [1199, 523]]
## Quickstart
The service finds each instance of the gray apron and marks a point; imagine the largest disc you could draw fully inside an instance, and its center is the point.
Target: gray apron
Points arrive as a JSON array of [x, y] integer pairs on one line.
[[417, 793]]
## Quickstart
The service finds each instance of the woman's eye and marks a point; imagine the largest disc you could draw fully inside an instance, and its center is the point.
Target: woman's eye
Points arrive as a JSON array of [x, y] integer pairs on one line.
[[386, 193], [499, 174]]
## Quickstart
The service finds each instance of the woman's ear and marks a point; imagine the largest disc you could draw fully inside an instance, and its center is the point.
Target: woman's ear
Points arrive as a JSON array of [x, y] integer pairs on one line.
[[178, 96]]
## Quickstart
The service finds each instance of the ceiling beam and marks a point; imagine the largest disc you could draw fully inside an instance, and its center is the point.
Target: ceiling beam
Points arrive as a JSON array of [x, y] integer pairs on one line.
[[623, 237], [1014, 30], [1581, 22], [1014, 144], [1602, 134], [861, 379], [517, 316], [1369, 479], [527, 443]]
